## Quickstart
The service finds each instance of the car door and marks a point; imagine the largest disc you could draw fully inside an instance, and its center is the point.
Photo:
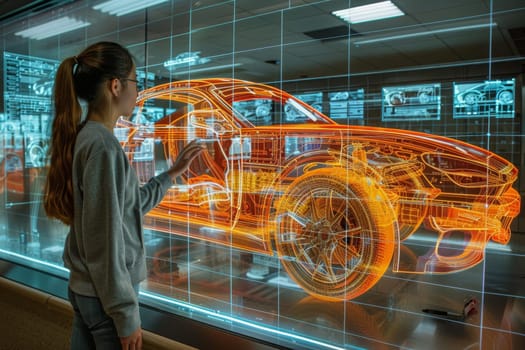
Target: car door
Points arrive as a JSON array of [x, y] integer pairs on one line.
[[202, 202]]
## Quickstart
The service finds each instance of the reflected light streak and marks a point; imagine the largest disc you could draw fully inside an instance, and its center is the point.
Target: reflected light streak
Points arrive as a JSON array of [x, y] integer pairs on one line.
[[33, 261], [250, 324]]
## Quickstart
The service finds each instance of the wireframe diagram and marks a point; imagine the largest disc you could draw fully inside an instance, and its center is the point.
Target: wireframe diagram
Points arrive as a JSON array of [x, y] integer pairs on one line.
[[337, 204], [485, 99], [412, 102]]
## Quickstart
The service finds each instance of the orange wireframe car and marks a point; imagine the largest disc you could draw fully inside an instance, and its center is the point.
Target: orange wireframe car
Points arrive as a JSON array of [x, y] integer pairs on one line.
[[337, 204]]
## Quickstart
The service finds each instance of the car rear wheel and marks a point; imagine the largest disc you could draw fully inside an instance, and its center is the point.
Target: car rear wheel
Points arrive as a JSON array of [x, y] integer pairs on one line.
[[335, 233]]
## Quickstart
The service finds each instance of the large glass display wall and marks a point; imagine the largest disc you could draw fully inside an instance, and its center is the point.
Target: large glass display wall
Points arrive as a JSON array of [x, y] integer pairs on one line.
[[360, 187]]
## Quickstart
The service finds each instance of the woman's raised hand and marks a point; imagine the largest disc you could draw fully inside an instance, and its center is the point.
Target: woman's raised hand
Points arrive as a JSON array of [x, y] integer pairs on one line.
[[184, 158]]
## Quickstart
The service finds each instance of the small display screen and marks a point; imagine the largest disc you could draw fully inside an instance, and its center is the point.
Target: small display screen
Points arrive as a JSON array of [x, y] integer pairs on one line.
[[411, 102], [491, 98], [28, 86], [347, 104], [28, 89]]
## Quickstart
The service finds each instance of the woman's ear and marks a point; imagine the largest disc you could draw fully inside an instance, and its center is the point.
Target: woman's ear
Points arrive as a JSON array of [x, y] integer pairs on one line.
[[115, 87]]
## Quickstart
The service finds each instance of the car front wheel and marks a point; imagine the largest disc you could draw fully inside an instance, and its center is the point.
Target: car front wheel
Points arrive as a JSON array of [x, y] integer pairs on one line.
[[335, 233]]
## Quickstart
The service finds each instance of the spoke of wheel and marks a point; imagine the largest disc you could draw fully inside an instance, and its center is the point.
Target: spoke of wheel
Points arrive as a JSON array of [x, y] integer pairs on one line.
[[354, 231], [317, 207], [352, 252], [306, 257], [330, 274], [341, 205], [303, 251], [317, 270], [303, 221], [321, 265], [339, 253], [336, 218], [296, 238]]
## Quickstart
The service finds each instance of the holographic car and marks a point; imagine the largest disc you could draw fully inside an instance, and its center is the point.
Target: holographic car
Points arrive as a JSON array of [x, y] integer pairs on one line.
[[337, 205]]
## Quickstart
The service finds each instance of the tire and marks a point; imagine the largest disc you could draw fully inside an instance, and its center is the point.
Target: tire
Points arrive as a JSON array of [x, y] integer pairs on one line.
[[335, 233], [396, 99], [472, 98], [424, 98], [37, 154], [505, 97]]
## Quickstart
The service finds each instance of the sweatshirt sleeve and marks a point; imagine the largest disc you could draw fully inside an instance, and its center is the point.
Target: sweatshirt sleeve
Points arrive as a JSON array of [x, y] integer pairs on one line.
[[153, 191], [104, 244]]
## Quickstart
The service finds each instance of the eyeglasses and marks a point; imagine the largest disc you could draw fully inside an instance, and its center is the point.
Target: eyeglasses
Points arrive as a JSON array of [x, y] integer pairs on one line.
[[134, 80]]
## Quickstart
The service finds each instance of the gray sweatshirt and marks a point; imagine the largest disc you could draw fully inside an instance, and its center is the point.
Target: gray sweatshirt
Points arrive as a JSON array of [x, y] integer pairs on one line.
[[104, 249]]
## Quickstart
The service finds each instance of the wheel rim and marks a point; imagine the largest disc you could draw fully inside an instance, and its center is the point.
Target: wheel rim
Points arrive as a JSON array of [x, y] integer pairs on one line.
[[326, 240], [505, 97], [471, 98]]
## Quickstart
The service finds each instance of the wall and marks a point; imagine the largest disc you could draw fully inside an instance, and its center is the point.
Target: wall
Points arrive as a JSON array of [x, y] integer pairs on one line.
[[36, 320]]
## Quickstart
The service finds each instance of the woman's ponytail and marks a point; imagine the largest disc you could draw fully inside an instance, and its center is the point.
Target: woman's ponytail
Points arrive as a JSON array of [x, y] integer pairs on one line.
[[58, 190]]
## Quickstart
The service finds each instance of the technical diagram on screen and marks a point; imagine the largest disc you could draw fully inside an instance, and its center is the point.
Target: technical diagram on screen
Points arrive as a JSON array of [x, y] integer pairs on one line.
[[411, 102], [491, 98], [28, 85], [347, 104]]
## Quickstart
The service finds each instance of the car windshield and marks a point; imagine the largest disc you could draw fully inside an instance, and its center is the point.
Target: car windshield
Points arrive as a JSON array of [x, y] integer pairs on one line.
[[260, 106]]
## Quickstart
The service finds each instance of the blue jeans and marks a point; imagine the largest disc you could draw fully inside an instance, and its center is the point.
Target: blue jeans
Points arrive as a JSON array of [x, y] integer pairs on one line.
[[92, 327]]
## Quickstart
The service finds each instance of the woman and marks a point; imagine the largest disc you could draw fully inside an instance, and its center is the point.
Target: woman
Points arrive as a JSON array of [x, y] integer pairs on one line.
[[92, 188]]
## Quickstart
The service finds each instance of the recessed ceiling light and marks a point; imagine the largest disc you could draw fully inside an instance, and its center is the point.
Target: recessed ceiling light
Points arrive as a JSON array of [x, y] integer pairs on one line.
[[123, 7], [371, 12], [52, 28]]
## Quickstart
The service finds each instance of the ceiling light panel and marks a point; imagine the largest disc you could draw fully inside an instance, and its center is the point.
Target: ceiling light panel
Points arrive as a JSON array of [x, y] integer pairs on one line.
[[52, 28], [123, 7], [371, 12]]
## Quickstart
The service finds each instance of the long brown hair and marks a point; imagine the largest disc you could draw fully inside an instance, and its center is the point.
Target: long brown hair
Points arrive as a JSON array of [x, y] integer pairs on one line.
[[78, 77]]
